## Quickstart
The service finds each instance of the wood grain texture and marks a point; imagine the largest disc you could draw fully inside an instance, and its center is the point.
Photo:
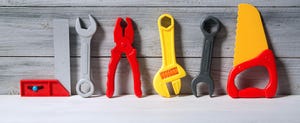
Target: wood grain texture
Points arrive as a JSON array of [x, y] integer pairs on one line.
[[15, 68], [28, 31], [145, 3]]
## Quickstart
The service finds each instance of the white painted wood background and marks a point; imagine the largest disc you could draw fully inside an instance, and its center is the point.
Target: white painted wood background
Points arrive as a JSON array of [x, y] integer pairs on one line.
[[26, 43]]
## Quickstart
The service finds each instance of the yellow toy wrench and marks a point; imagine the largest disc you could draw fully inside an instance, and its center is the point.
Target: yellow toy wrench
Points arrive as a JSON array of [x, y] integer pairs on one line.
[[170, 71]]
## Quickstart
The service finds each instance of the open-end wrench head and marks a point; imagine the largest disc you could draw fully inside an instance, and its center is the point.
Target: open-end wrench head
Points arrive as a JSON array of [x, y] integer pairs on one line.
[[90, 31], [205, 79]]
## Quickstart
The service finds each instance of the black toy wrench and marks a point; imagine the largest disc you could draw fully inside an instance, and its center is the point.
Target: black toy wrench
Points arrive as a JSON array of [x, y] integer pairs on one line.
[[210, 26]]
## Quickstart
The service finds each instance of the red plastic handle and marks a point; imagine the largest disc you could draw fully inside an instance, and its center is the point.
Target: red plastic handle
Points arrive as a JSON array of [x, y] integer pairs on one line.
[[265, 59]]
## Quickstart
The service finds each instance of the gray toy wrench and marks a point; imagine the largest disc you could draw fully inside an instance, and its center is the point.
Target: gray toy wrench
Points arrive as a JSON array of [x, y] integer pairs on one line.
[[210, 27], [85, 37]]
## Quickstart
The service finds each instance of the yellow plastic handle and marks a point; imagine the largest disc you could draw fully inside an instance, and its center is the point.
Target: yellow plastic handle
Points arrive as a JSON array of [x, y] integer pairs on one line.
[[166, 32]]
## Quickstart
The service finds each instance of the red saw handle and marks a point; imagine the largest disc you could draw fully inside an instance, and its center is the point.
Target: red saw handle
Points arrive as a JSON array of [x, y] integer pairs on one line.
[[265, 59]]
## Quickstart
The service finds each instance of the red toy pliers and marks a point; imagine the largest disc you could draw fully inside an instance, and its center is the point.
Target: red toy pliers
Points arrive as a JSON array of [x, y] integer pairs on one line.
[[123, 38]]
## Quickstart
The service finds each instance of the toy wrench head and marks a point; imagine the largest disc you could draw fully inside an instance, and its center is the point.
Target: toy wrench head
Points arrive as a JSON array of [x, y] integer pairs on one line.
[[123, 30], [203, 79], [171, 74], [165, 22], [86, 32], [162, 89]]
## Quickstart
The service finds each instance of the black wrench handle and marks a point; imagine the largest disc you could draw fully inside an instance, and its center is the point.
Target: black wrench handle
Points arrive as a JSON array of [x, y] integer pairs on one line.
[[209, 33], [207, 55]]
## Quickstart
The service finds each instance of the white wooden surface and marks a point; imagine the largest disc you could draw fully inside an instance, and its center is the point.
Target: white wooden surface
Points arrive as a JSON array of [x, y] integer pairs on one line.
[[26, 43], [150, 109]]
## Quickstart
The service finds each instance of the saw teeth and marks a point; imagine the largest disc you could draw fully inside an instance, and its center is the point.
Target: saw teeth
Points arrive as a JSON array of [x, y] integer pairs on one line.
[[236, 35]]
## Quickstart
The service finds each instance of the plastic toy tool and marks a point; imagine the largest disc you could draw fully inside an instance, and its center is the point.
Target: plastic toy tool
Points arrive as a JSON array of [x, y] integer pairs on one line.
[[85, 36], [251, 49], [51, 87], [209, 32], [170, 71], [61, 86], [62, 52], [123, 38]]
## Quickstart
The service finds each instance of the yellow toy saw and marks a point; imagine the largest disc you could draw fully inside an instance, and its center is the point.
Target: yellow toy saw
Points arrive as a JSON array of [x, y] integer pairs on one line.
[[251, 49]]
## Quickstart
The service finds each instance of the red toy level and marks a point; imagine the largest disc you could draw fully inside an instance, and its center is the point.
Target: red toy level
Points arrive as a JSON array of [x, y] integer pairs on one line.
[[47, 87]]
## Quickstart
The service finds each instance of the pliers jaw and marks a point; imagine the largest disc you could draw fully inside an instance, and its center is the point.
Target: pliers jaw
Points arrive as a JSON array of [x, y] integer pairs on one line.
[[124, 30]]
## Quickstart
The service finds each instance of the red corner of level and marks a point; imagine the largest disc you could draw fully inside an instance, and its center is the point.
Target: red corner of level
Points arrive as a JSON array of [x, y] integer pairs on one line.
[[45, 87]]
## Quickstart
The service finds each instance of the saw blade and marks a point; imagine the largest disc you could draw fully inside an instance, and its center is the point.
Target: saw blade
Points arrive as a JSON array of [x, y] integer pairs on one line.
[[250, 35]]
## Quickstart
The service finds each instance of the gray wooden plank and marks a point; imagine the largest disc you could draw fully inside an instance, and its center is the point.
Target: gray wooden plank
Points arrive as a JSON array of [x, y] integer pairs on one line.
[[15, 68], [194, 3], [27, 31]]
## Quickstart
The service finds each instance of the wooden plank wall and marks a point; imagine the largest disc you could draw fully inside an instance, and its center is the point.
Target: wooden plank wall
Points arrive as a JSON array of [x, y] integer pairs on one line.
[[26, 43]]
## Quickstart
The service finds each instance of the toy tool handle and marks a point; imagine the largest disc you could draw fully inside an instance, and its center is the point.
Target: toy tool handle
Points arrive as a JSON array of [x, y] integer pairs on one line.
[[112, 66], [85, 57], [206, 55], [266, 59], [166, 32], [210, 26], [85, 69], [136, 72]]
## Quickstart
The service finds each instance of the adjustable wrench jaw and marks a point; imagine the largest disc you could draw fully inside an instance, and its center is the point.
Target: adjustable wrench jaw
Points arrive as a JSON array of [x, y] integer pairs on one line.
[[205, 78], [168, 74]]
